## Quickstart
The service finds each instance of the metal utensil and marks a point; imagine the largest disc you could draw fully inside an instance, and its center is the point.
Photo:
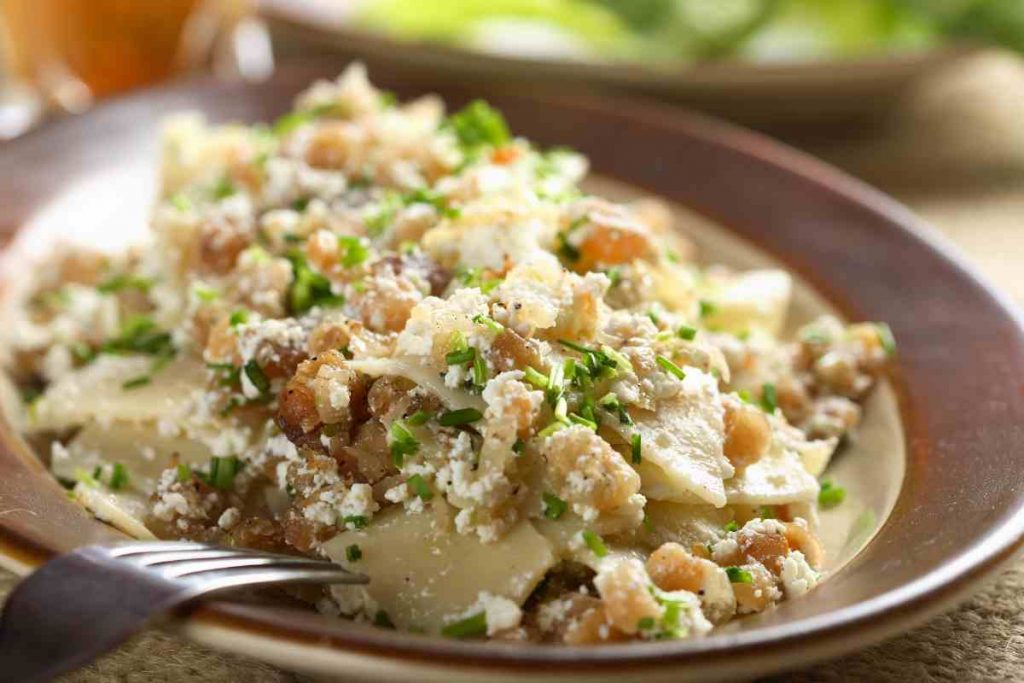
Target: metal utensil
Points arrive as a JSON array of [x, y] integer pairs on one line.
[[82, 604]]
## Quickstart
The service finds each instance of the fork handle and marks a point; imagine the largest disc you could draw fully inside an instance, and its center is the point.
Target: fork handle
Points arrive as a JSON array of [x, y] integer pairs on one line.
[[37, 644]]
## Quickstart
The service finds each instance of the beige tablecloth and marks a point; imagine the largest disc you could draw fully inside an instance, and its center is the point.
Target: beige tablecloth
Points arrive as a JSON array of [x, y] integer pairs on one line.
[[954, 151]]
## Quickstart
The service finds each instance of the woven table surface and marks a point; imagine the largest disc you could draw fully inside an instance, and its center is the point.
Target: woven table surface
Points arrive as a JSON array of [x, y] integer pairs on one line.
[[954, 152]]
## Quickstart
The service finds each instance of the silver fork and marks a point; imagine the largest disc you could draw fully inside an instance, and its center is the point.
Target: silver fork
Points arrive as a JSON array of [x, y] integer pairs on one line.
[[82, 604]]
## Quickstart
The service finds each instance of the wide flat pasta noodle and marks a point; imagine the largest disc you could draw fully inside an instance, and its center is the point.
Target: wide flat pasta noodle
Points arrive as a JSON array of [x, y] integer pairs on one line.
[[96, 392], [778, 477], [682, 441], [422, 573], [137, 446]]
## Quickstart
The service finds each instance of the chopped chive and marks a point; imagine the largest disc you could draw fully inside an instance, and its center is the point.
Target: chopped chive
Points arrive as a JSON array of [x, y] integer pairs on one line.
[[477, 125], [595, 543], [706, 308], [580, 420], [469, 627], [574, 346], [353, 553], [223, 189], [767, 512], [488, 322], [118, 477], [551, 429], [403, 443], [479, 370], [636, 448], [97, 472], [136, 382], [355, 521], [737, 575], [554, 507], [454, 418], [355, 252], [561, 411], [256, 375], [460, 356], [184, 473], [653, 315], [745, 396], [419, 486], [670, 367], [615, 275], [732, 526], [382, 620], [830, 495], [886, 338], [769, 398], [518, 446], [121, 282], [238, 317], [645, 623], [420, 417], [180, 202], [686, 332], [617, 358], [535, 378], [222, 472]]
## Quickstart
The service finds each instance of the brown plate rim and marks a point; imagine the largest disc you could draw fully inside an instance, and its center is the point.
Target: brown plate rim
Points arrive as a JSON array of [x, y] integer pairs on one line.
[[886, 612]]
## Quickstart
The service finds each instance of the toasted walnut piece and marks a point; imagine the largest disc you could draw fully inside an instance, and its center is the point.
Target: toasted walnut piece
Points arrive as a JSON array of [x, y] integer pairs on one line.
[[219, 244], [831, 416], [368, 458], [388, 296], [607, 245], [389, 395], [625, 589], [308, 393], [672, 568], [793, 399], [766, 547], [757, 595], [511, 351], [747, 434], [592, 628], [587, 470], [801, 538], [336, 145], [259, 533], [222, 343]]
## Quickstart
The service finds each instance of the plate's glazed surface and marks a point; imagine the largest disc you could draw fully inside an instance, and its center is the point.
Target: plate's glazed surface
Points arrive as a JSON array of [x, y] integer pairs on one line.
[[957, 516]]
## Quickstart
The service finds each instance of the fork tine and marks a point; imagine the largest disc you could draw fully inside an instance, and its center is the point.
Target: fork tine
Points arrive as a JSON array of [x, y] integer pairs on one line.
[[157, 559], [218, 580], [195, 567], [138, 548]]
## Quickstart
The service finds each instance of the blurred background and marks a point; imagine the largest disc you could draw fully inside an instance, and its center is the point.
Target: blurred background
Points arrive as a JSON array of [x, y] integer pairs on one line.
[[922, 98]]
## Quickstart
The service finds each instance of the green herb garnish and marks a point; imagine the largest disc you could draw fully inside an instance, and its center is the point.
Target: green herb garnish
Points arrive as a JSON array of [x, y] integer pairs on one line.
[[554, 507], [830, 495], [222, 472], [595, 543], [737, 575], [122, 282], [354, 251], [118, 477], [478, 125], [403, 443], [256, 375], [355, 521], [470, 627], [769, 398], [353, 553], [636, 448], [419, 486], [454, 418], [135, 382], [670, 367]]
